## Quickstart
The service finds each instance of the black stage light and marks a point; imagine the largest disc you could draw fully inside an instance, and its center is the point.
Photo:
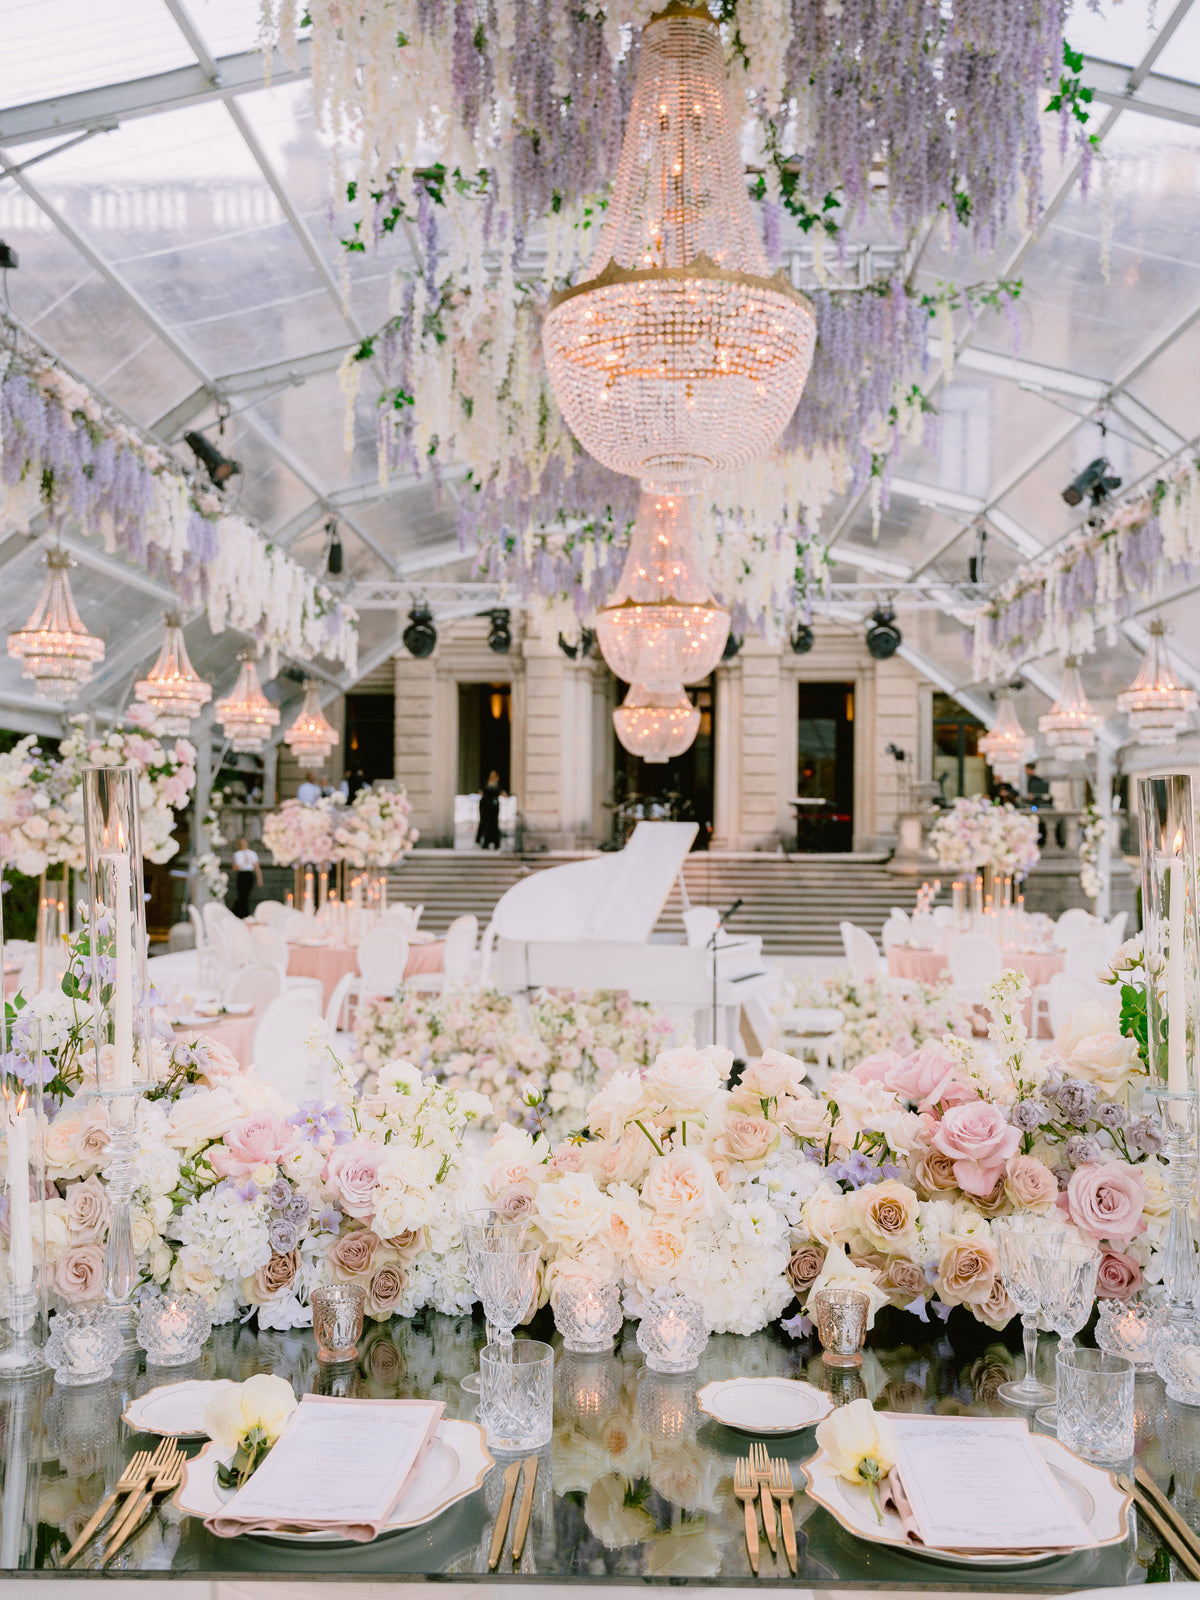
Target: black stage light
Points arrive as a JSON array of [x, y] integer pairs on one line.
[[9, 259], [219, 468], [1097, 481], [420, 637], [580, 651], [500, 632], [883, 636], [732, 645], [803, 638], [334, 558]]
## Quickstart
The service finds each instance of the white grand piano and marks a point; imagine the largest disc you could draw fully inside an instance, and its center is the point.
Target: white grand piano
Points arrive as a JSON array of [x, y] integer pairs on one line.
[[590, 925]]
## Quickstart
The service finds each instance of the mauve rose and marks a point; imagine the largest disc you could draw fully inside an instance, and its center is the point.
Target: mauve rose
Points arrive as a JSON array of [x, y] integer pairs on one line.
[[1030, 1184], [258, 1141], [928, 1077], [351, 1256], [979, 1141], [997, 1310], [88, 1211], [804, 1267], [903, 1281], [279, 1273], [1106, 1202], [996, 1203], [747, 1138], [516, 1202], [933, 1173], [1118, 1276], [385, 1289], [569, 1158], [92, 1141], [352, 1171], [79, 1275], [407, 1245], [968, 1271]]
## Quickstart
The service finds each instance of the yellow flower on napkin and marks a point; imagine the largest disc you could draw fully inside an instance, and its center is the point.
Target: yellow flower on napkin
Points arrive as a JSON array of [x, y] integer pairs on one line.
[[246, 1420], [861, 1446]]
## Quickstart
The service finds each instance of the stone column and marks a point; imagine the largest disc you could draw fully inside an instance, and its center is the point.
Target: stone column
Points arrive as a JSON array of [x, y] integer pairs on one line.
[[758, 826], [415, 726], [203, 795], [542, 779], [727, 756], [1104, 777], [270, 774]]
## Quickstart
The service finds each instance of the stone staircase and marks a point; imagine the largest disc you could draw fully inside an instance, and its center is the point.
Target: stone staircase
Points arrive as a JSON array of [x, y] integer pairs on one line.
[[794, 902]]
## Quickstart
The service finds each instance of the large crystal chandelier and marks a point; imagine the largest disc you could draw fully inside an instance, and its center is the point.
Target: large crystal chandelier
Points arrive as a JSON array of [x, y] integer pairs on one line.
[[246, 715], [656, 724], [311, 737], [1070, 724], [679, 356], [661, 627], [1157, 704], [54, 648], [1006, 746], [174, 688]]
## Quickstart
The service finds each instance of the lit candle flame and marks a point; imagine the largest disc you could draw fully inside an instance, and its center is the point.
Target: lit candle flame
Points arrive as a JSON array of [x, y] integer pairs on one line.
[[1177, 846]]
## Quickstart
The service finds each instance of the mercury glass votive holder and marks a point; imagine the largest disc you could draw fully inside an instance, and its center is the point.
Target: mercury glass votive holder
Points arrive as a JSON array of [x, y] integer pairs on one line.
[[672, 1334], [172, 1329], [841, 1319], [337, 1311], [1128, 1330], [587, 1315], [83, 1346]]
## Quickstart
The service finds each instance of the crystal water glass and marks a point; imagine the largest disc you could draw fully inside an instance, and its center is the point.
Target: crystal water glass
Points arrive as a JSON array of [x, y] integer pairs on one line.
[[1068, 1292], [516, 1394], [505, 1275], [474, 1227], [1018, 1239], [1095, 1404]]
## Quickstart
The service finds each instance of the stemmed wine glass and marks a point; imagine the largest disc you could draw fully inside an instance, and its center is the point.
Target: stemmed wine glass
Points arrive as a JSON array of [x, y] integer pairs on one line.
[[1017, 1240], [503, 1269], [1067, 1275]]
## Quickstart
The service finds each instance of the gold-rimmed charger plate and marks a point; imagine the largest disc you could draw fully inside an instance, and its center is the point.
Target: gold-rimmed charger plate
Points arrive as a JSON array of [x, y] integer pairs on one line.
[[764, 1406]]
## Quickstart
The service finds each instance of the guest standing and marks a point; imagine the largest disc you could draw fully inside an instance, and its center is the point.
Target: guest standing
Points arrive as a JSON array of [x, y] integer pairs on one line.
[[488, 832], [309, 791], [247, 873]]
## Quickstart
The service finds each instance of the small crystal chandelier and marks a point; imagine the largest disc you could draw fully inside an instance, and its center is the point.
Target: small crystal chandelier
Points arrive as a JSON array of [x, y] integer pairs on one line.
[[656, 724], [1006, 746], [679, 356], [1070, 724], [661, 626], [311, 737], [174, 688], [54, 648], [246, 715], [1157, 704]]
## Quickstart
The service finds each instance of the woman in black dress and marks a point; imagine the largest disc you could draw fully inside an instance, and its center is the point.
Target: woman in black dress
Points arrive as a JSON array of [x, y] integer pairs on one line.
[[488, 832]]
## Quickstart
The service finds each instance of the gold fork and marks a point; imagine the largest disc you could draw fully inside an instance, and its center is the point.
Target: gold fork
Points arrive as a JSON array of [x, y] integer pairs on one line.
[[782, 1490], [168, 1476], [760, 1466], [137, 1470], [746, 1490]]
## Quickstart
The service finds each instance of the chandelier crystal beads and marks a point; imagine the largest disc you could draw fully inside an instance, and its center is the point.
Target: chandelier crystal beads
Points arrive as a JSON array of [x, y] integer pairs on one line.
[[1006, 746], [661, 627], [656, 724], [679, 356], [54, 648], [174, 688], [246, 715], [1070, 724], [311, 737], [1157, 704]]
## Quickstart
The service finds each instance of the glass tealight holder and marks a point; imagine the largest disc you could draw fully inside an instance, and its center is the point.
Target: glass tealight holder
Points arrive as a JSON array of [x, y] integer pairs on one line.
[[672, 1333], [841, 1319], [337, 1312], [1128, 1330], [587, 1315], [83, 1345], [172, 1329], [1177, 1362]]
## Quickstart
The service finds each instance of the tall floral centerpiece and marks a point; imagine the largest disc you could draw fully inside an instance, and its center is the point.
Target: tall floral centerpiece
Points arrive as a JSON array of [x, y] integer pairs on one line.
[[978, 834]]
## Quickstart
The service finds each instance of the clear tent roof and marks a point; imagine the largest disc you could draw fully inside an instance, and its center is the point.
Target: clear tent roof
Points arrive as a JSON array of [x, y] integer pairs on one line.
[[178, 240]]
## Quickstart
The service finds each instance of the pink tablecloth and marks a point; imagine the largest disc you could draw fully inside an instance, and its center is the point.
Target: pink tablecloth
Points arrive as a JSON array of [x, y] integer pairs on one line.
[[331, 962], [235, 1033], [927, 966]]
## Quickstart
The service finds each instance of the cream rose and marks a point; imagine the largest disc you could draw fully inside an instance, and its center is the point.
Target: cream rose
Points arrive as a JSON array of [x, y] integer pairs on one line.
[[968, 1271], [79, 1275], [885, 1214], [825, 1213], [88, 1211], [680, 1186], [657, 1253], [622, 1099], [201, 1117], [1030, 1184], [571, 1210], [749, 1140], [684, 1080]]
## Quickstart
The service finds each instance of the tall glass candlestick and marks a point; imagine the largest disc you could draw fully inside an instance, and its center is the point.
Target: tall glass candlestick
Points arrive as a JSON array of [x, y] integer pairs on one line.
[[119, 990]]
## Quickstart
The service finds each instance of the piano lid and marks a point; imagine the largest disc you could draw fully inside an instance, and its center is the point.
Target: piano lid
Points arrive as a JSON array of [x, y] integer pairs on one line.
[[618, 896]]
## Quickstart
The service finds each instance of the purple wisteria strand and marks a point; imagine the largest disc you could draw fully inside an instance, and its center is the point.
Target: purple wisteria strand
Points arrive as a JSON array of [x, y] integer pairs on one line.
[[66, 455], [1094, 579]]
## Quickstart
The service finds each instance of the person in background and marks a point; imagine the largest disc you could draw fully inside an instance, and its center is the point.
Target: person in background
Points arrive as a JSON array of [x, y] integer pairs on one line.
[[247, 873], [309, 791], [1036, 788], [487, 834]]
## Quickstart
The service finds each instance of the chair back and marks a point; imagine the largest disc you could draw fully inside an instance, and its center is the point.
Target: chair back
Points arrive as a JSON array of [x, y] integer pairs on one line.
[[382, 957], [292, 925], [266, 911], [1073, 924], [1067, 994], [280, 1054], [1116, 932], [942, 916], [973, 959], [1087, 958], [270, 949], [459, 948], [198, 928], [337, 1012], [861, 951], [896, 930], [486, 947], [230, 935], [254, 986]]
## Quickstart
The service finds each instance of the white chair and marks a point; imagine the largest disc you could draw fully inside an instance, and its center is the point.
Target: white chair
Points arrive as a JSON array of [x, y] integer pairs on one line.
[[382, 956], [266, 911], [1115, 931], [896, 930], [973, 959], [484, 965], [230, 938], [206, 955], [254, 986], [861, 951], [1086, 959], [1073, 924], [923, 930], [458, 948], [280, 1056], [1067, 994], [293, 925], [270, 950], [345, 993], [405, 917], [816, 1032], [943, 917]]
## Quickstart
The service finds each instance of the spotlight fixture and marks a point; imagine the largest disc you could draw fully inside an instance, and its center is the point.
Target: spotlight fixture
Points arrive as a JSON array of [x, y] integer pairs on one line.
[[1097, 481], [977, 562], [9, 259], [333, 556], [580, 651], [803, 638], [732, 645], [420, 637], [500, 632], [219, 468], [883, 636]]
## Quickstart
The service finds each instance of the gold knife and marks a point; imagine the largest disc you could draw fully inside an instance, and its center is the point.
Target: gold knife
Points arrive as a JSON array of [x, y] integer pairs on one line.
[[510, 1488], [1151, 1492], [526, 1506], [1167, 1535]]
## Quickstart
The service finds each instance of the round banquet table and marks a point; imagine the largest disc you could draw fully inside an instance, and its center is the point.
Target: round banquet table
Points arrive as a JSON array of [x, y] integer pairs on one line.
[[235, 1033], [928, 966], [331, 962]]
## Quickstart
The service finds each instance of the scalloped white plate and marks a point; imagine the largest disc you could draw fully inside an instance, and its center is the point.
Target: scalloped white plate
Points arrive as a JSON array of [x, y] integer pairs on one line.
[[175, 1409], [764, 1405]]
